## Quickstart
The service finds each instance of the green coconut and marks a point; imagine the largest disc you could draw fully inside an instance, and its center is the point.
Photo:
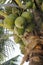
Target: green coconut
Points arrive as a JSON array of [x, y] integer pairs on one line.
[[20, 22], [29, 4], [28, 16], [9, 21]]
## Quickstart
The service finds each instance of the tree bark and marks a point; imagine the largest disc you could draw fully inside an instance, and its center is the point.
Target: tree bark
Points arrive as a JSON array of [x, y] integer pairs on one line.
[[36, 55]]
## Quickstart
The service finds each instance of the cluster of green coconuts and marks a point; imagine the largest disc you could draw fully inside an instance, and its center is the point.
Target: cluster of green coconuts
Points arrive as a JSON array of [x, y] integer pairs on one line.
[[20, 25], [20, 22], [30, 4]]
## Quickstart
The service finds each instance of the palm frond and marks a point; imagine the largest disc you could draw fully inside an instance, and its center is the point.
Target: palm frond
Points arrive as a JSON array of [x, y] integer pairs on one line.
[[12, 61]]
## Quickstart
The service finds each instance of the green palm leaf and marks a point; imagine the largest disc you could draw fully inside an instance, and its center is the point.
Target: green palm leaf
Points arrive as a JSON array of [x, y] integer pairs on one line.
[[12, 61], [2, 1]]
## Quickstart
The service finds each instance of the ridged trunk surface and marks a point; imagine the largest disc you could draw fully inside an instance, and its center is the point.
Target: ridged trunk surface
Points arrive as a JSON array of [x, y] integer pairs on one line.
[[36, 55]]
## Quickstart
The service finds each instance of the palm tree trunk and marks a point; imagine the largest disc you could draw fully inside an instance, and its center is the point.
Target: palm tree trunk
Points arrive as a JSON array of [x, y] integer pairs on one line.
[[36, 55], [36, 60]]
